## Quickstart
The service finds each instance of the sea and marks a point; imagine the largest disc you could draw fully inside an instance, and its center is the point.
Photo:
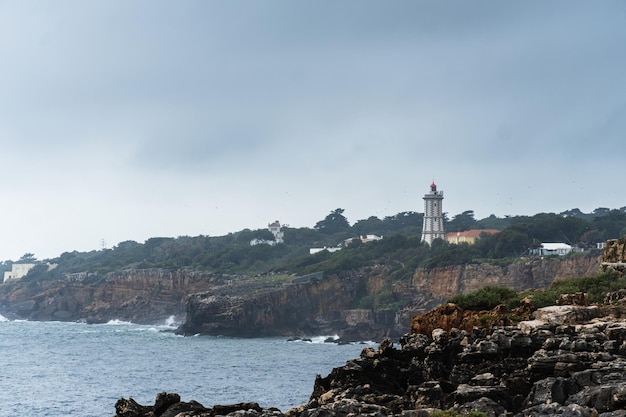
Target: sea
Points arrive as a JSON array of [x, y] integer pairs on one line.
[[56, 369]]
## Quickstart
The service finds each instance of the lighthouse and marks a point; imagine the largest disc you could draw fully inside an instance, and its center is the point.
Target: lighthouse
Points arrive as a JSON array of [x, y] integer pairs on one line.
[[433, 216]]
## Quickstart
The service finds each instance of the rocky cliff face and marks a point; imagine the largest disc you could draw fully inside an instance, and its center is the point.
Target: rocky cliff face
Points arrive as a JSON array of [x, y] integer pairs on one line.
[[443, 283], [241, 306], [321, 305], [141, 296]]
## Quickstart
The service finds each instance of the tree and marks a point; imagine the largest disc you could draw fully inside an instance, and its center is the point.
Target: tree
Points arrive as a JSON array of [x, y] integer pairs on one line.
[[575, 212], [373, 225], [28, 258], [601, 211], [611, 224], [590, 238], [335, 222], [461, 222], [493, 222], [405, 220]]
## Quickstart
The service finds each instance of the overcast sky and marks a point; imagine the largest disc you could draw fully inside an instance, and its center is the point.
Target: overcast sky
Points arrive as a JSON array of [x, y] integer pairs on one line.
[[125, 120]]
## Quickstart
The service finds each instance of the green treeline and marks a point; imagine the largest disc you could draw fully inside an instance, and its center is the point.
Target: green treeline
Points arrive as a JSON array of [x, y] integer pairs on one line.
[[400, 247]]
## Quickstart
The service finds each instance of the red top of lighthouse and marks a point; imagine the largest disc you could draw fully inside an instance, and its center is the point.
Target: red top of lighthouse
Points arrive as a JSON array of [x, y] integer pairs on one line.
[[433, 186]]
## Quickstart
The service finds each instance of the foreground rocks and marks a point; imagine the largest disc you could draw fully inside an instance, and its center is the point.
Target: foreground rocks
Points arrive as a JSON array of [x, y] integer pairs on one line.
[[569, 360], [170, 405]]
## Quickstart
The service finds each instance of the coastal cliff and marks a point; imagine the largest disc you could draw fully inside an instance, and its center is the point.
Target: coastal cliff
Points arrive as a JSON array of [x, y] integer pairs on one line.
[[325, 305], [445, 282], [263, 306], [140, 296], [319, 305]]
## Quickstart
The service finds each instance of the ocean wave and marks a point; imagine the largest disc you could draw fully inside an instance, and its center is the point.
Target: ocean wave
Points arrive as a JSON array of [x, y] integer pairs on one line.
[[315, 339], [117, 322]]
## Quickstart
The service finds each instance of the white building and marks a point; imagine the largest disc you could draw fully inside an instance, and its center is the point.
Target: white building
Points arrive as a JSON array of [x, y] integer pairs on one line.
[[274, 228], [547, 249], [18, 271], [363, 239], [313, 251]]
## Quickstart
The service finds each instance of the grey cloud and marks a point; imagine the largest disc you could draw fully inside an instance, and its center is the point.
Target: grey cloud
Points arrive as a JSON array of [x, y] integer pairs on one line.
[[353, 102]]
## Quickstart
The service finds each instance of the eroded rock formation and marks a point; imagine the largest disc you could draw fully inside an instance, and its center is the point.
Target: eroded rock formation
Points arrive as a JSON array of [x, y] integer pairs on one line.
[[141, 296], [567, 360], [318, 306], [614, 256], [443, 283], [245, 306]]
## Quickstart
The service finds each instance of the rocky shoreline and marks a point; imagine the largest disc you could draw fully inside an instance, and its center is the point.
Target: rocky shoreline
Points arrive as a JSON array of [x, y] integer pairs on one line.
[[565, 360], [274, 304]]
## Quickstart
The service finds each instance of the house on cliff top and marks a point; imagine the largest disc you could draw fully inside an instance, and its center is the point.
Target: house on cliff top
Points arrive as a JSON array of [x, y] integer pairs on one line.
[[363, 239], [18, 271], [469, 236], [273, 228], [547, 249]]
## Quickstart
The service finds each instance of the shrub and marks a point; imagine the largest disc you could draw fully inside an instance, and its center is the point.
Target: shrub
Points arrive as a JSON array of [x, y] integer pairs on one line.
[[596, 287], [484, 299]]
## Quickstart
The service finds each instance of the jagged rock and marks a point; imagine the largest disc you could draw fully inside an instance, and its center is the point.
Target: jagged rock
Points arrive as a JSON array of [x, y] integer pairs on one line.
[[577, 299], [169, 405], [450, 316], [130, 408], [164, 401], [487, 406], [560, 366], [556, 409], [555, 370], [567, 314], [614, 296]]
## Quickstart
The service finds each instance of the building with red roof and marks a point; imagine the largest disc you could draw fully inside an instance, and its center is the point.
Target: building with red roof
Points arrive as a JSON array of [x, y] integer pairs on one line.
[[468, 236]]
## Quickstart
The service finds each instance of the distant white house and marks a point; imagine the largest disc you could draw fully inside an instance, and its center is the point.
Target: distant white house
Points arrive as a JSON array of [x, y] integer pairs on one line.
[[363, 239], [18, 271], [274, 228], [313, 251], [547, 249]]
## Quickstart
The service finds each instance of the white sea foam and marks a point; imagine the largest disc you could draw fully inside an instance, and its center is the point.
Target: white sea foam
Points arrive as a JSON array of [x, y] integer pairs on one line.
[[324, 339], [172, 321], [2, 318], [315, 339], [116, 322]]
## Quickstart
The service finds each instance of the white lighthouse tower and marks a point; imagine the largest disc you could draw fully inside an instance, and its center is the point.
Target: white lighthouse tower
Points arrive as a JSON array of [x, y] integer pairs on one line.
[[433, 216]]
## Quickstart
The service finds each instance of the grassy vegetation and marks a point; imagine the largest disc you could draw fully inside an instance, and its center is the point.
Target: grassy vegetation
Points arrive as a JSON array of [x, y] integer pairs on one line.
[[489, 297], [485, 298], [595, 286], [274, 278]]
